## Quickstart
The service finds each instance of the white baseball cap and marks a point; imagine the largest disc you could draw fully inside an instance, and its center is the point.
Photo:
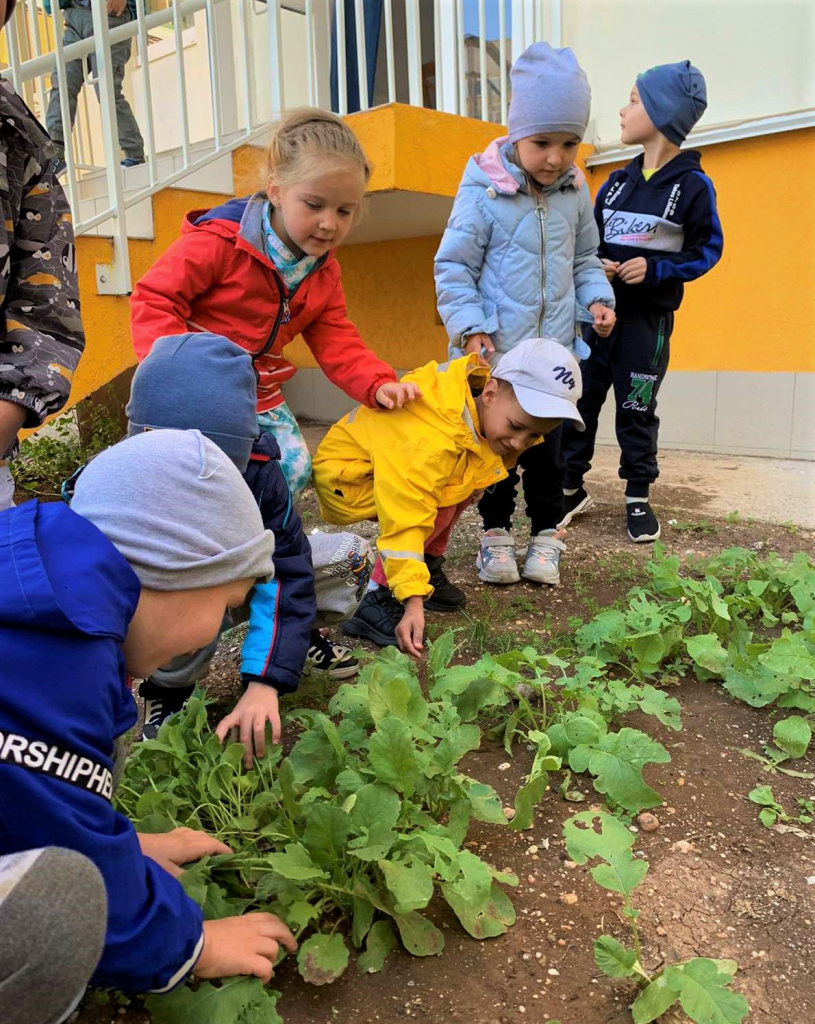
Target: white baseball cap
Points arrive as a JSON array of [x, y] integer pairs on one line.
[[545, 377]]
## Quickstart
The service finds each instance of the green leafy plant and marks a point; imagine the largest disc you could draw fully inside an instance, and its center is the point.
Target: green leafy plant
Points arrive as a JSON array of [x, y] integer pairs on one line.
[[47, 459], [772, 811], [792, 736], [701, 986], [347, 839], [564, 717]]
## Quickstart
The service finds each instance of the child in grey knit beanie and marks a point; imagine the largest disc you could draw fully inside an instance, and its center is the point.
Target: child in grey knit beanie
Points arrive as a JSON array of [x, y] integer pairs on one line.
[[191, 521]]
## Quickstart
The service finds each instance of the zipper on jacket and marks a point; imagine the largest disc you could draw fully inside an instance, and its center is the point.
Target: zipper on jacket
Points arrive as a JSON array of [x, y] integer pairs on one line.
[[283, 315], [540, 210]]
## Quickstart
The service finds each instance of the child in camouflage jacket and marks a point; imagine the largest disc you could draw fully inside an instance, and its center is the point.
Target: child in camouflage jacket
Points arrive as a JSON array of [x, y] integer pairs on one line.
[[41, 336]]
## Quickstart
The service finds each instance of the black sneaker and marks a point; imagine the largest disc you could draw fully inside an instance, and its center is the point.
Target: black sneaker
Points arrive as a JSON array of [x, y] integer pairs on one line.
[[574, 504], [445, 597], [60, 167], [159, 703], [377, 617], [643, 525], [132, 161], [324, 656]]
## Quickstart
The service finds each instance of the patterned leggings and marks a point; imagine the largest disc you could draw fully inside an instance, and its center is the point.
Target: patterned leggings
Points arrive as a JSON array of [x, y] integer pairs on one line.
[[295, 459]]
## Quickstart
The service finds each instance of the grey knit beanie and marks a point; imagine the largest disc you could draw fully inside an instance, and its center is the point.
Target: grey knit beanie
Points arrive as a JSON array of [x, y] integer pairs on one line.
[[178, 510], [550, 93]]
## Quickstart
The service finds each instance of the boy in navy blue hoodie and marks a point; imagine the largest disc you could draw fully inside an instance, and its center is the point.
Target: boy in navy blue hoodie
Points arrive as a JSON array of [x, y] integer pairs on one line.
[[659, 228], [163, 536]]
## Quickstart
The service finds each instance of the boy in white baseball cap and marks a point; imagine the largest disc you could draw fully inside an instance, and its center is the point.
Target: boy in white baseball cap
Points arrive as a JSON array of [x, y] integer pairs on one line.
[[417, 469]]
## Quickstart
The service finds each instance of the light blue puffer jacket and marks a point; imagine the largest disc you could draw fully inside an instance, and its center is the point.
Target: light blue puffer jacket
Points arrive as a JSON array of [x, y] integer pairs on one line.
[[514, 264]]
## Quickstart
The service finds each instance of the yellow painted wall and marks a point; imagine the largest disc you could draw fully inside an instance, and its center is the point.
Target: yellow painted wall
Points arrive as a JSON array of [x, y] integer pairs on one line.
[[753, 310]]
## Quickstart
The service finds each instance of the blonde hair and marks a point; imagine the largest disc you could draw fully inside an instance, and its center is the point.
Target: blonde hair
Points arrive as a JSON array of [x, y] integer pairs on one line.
[[305, 141]]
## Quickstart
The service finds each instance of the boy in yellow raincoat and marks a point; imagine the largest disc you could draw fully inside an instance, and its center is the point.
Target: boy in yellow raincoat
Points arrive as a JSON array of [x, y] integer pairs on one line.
[[417, 468]]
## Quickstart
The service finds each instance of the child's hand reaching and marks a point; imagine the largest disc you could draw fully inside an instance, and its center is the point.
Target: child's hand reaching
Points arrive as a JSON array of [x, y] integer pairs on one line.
[[172, 850], [604, 319], [394, 395], [633, 271], [248, 720], [477, 342], [611, 267], [242, 945], [410, 631]]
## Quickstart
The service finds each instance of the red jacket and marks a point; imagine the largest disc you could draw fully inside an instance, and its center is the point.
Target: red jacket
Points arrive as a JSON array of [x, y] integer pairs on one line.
[[217, 277]]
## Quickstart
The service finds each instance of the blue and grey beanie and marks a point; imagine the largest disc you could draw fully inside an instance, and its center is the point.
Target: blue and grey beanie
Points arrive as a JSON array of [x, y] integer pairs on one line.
[[198, 382], [550, 93], [674, 97]]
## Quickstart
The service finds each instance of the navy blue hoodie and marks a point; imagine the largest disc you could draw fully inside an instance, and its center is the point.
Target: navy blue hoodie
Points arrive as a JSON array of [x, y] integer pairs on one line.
[[66, 600], [671, 220]]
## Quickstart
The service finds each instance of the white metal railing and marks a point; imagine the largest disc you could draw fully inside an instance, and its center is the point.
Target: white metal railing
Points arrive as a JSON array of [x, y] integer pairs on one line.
[[426, 52]]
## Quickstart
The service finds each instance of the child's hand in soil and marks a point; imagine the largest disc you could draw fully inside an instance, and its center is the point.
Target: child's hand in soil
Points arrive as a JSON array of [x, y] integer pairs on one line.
[[171, 850], [247, 722], [604, 319], [477, 342], [633, 271], [242, 945], [410, 631], [394, 395]]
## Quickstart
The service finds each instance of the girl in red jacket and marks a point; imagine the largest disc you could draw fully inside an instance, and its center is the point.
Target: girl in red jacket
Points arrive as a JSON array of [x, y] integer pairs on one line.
[[262, 270]]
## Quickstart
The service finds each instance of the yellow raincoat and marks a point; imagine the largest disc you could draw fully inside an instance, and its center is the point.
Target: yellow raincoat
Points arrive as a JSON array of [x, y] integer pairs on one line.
[[402, 466]]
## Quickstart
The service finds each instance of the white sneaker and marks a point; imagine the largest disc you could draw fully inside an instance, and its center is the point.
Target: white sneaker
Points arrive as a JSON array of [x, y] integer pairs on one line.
[[542, 563], [496, 557]]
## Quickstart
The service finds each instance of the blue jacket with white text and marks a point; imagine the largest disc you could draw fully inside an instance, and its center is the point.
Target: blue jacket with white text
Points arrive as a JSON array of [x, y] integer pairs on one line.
[[671, 220], [66, 601]]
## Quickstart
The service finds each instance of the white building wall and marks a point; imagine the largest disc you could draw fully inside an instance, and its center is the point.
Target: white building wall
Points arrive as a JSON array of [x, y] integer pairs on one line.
[[756, 55]]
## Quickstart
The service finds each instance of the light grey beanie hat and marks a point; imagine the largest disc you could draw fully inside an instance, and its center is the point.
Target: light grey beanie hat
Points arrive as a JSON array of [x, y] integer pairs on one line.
[[178, 510], [550, 93]]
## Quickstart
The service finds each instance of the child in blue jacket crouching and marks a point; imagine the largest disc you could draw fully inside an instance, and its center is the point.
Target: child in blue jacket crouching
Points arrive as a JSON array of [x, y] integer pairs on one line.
[[163, 537]]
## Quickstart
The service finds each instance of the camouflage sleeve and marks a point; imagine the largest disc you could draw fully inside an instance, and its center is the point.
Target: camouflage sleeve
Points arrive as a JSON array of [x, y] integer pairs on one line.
[[43, 330]]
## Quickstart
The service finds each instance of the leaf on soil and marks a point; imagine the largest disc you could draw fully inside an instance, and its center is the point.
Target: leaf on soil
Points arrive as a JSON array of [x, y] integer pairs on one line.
[[485, 919], [790, 655], [484, 802], [526, 800], [613, 959], [704, 993], [653, 1001], [792, 735], [707, 652], [393, 757], [232, 1001], [322, 958], [616, 763], [612, 842], [381, 941], [420, 937], [410, 884]]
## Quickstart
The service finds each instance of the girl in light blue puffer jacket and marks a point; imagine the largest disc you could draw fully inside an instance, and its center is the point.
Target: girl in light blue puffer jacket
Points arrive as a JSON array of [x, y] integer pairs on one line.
[[519, 260]]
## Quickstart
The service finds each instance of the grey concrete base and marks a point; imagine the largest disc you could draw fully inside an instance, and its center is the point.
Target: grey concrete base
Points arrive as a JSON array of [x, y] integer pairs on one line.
[[766, 414]]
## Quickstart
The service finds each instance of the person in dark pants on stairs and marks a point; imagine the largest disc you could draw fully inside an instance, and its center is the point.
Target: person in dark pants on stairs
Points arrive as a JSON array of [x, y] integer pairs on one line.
[[78, 21], [659, 228]]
